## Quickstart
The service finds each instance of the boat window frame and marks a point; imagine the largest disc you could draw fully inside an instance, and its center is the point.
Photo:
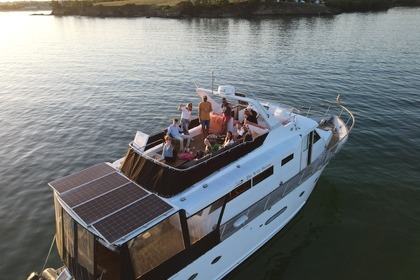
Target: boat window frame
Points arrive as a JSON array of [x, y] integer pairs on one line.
[[287, 159], [316, 137], [163, 255], [217, 205], [262, 175], [242, 188]]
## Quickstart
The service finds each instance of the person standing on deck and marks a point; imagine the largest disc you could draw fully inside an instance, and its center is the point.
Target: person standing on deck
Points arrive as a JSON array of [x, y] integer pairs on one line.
[[227, 114], [185, 117], [204, 109]]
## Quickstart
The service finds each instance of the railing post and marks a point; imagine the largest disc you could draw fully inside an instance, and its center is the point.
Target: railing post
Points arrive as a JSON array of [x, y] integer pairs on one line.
[[328, 110]]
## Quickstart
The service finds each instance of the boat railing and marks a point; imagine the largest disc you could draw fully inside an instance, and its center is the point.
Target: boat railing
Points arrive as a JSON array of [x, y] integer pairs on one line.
[[326, 111]]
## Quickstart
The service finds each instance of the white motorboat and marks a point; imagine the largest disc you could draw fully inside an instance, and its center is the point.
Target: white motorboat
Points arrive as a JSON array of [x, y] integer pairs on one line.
[[141, 217]]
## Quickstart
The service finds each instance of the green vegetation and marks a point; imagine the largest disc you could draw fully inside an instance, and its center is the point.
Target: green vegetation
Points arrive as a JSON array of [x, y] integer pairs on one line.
[[138, 2], [25, 5], [203, 8]]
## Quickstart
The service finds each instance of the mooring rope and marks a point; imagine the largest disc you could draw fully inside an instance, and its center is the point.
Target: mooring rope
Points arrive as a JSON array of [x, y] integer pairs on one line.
[[48, 256]]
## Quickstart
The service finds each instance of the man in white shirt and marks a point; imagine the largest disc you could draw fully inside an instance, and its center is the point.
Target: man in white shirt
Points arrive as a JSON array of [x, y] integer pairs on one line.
[[174, 132]]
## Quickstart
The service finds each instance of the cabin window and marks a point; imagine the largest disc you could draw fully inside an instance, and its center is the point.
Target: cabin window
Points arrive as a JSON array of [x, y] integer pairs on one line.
[[239, 190], [156, 245], [263, 175], [286, 159], [205, 221], [316, 136]]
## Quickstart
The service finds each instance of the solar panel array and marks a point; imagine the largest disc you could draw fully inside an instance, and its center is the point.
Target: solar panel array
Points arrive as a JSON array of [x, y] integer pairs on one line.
[[109, 202]]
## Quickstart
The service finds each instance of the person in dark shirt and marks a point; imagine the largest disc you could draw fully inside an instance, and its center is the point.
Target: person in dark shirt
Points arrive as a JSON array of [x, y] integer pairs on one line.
[[250, 116], [227, 114]]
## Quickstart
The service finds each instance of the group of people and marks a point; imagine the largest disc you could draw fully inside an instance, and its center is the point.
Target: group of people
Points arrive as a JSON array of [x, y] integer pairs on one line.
[[209, 148], [204, 109], [181, 133]]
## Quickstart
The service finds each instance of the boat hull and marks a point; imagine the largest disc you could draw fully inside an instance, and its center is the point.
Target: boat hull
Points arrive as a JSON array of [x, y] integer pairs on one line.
[[232, 251]]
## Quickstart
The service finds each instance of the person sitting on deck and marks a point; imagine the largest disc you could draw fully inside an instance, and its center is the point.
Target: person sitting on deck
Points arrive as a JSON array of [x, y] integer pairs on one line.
[[241, 130], [168, 149], [174, 132], [250, 116], [228, 140], [209, 149]]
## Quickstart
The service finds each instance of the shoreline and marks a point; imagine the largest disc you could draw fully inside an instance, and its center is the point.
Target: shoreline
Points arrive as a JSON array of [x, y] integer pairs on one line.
[[189, 10]]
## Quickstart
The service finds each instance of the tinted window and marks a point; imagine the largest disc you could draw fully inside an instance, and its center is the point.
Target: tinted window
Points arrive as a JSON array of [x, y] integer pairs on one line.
[[286, 159], [260, 177]]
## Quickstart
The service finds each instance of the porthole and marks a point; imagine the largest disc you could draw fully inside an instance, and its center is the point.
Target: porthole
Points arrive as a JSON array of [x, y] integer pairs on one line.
[[301, 193], [192, 277], [216, 260]]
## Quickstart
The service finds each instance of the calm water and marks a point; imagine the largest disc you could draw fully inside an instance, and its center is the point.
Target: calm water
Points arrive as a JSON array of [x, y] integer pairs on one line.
[[74, 90]]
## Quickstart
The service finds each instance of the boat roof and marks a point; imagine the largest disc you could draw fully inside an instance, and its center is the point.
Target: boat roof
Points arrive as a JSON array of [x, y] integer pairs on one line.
[[107, 203]]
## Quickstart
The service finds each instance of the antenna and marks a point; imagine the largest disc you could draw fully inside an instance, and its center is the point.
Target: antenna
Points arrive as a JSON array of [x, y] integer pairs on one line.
[[186, 71], [212, 81]]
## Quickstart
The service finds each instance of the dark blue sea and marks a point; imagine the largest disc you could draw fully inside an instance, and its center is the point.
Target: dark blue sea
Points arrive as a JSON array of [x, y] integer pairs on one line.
[[74, 90]]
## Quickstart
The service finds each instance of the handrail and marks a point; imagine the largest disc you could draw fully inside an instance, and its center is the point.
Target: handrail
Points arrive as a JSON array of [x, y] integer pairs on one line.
[[320, 112]]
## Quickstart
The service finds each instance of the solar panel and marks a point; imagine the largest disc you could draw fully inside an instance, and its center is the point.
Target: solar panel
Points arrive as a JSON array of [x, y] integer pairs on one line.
[[131, 218], [79, 178], [109, 203], [95, 188]]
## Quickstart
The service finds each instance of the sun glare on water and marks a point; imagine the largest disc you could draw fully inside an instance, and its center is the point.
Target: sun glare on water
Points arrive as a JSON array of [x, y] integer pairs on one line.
[[17, 27]]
